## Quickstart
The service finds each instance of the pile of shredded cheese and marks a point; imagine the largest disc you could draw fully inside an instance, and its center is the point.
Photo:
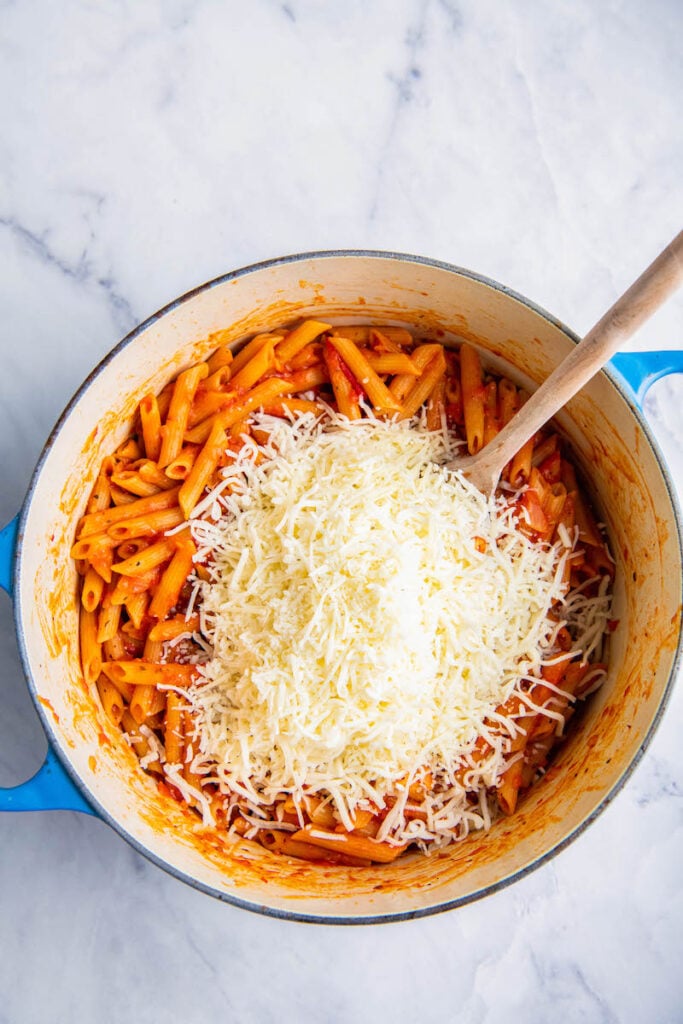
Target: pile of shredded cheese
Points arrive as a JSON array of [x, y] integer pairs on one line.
[[368, 612]]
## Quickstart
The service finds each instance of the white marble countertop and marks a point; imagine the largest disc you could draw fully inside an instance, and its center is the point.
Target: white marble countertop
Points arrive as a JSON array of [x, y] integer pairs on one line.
[[148, 147]]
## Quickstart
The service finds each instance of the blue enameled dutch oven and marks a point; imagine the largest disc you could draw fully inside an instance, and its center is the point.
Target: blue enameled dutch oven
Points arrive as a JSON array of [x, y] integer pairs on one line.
[[89, 767]]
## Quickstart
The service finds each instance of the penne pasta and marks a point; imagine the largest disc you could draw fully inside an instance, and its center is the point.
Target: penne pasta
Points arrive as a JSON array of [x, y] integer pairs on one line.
[[181, 466], [248, 351], [391, 363], [150, 473], [91, 590], [179, 568], [472, 398], [219, 379], [286, 406], [436, 405], [508, 789], [361, 334], [100, 522], [265, 392], [298, 338], [88, 547], [259, 364], [203, 467], [147, 525], [145, 566], [308, 356], [136, 608], [146, 701], [91, 650], [491, 422], [508, 398], [140, 743], [111, 699], [101, 495], [382, 342], [208, 403], [178, 413], [138, 672], [171, 628], [421, 357], [108, 619], [372, 385], [347, 843], [346, 390], [131, 481], [424, 385], [149, 558], [173, 728], [223, 354], [120, 496], [150, 421]]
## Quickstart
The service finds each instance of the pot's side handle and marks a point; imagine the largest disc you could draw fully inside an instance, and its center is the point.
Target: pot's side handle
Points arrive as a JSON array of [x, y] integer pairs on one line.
[[641, 369], [8, 541], [51, 788]]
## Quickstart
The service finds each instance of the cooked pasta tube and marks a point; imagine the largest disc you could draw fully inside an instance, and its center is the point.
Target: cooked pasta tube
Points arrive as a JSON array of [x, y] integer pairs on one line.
[[202, 469], [101, 495], [146, 701], [173, 728], [222, 357], [298, 338], [248, 351], [179, 410], [131, 481], [147, 525], [99, 522], [219, 379], [508, 789], [424, 386], [372, 385], [171, 628], [348, 843], [150, 420], [91, 650], [421, 357], [149, 558], [91, 590], [259, 364], [345, 390], [138, 672], [108, 618], [140, 743], [111, 699], [179, 568], [391, 363], [266, 391], [181, 466], [472, 397]]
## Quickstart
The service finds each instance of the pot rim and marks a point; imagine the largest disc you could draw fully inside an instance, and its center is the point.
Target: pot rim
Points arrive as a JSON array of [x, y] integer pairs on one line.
[[53, 739]]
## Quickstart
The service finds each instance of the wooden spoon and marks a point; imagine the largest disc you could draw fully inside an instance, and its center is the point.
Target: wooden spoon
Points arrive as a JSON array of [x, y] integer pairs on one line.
[[635, 306]]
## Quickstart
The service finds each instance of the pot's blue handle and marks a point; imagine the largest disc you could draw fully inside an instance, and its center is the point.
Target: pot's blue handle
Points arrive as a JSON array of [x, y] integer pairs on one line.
[[8, 542], [51, 788], [641, 369]]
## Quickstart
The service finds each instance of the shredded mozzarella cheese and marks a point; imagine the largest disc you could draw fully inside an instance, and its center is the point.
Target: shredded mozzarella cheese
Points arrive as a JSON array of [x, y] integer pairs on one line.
[[359, 636]]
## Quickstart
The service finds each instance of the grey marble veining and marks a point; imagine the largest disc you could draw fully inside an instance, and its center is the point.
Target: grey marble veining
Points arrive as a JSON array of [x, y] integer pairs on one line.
[[148, 147]]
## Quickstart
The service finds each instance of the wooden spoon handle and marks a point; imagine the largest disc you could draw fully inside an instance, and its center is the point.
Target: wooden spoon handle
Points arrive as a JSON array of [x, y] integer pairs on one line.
[[632, 309]]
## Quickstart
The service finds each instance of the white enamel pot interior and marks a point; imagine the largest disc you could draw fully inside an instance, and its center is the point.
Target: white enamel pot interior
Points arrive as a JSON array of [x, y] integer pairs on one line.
[[616, 453]]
